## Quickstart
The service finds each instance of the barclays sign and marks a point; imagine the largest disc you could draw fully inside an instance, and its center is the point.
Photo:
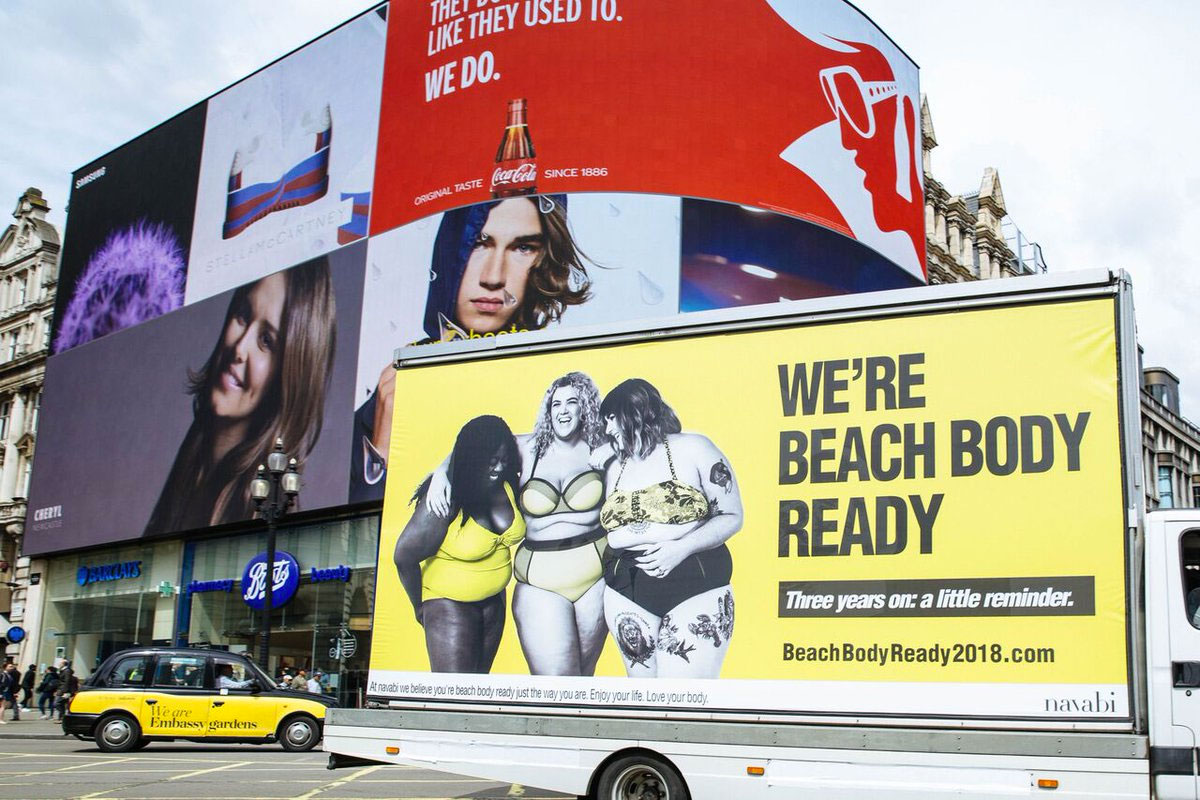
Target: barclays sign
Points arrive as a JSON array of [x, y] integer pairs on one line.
[[86, 575]]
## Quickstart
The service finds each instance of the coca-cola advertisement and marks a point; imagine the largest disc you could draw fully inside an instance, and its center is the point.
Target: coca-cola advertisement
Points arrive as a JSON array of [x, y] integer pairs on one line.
[[516, 165], [800, 107]]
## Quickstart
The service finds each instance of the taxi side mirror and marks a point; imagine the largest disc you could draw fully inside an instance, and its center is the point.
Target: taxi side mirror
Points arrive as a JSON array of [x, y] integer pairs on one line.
[[255, 686]]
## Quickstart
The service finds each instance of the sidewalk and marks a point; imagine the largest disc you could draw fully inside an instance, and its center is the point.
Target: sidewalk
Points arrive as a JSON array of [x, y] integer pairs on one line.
[[30, 727]]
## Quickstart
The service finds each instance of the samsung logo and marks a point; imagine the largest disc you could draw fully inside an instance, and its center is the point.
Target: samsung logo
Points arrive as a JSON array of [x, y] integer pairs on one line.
[[94, 175]]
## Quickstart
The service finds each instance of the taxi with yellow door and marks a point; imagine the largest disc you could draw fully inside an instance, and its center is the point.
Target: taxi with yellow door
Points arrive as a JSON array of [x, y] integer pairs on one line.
[[152, 694]]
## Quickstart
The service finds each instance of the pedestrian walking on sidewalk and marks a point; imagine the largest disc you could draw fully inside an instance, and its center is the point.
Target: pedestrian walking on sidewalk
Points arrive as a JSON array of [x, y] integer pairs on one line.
[[10, 687], [46, 691], [27, 682], [67, 687]]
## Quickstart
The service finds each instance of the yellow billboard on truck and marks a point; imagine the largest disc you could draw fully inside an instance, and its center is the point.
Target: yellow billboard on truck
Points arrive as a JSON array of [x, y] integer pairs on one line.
[[916, 515]]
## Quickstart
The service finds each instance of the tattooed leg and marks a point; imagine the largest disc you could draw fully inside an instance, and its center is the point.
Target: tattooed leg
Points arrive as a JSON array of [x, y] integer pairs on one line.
[[694, 637], [634, 630]]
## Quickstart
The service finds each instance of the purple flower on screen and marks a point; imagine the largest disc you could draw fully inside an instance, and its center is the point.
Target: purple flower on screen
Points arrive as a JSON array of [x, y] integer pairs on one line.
[[136, 275]]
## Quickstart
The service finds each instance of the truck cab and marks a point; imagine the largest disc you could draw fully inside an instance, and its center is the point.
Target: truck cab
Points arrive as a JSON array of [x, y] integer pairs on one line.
[[1173, 649]]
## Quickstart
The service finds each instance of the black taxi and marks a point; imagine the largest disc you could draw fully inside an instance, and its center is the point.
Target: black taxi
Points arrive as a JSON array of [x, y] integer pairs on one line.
[[149, 694]]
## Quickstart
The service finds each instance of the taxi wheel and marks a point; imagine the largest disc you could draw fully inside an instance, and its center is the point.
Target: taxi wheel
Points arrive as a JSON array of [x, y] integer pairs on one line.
[[117, 733], [299, 734]]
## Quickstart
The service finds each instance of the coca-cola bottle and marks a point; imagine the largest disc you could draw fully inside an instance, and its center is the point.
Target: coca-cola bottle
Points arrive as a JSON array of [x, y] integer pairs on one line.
[[516, 169]]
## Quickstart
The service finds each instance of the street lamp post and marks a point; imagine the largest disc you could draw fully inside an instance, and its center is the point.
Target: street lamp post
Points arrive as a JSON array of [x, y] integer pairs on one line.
[[273, 489]]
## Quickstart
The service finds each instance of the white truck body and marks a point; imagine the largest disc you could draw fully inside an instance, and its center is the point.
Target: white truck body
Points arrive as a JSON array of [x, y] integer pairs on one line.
[[1144, 746]]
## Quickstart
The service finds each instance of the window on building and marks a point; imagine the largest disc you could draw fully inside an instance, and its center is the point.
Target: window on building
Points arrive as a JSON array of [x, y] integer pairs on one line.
[[26, 476], [1196, 495], [1166, 492], [10, 345], [36, 412], [46, 332], [5, 413], [22, 288]]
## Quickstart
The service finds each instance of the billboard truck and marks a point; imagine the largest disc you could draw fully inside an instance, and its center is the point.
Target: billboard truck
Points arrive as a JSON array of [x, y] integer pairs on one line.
[[821, 549]]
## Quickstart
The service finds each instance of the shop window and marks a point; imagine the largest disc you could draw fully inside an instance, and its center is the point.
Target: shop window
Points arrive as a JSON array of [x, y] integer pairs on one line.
[[130, 671], [175, 671]]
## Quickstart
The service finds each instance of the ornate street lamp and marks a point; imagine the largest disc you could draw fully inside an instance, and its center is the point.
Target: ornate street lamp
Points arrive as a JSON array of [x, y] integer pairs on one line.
[[274, 490]]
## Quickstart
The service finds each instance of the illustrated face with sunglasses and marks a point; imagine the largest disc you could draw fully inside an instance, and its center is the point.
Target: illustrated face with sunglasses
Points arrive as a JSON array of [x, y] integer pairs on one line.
[[879, 125]]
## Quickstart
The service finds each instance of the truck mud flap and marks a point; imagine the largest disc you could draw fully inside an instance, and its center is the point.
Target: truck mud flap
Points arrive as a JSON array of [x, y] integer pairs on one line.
[[337, 761]]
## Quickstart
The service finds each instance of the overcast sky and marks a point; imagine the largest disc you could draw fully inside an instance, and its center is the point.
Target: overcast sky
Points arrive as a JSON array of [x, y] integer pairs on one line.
[[1082, 105]]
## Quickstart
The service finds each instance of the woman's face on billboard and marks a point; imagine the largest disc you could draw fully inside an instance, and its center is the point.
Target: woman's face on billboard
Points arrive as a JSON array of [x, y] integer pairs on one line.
[[564, 411], [497, 271], [250, 351]]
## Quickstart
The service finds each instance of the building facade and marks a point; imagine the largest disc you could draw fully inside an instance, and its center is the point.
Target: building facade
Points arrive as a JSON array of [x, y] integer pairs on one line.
[[1170, 444], [29, 249]]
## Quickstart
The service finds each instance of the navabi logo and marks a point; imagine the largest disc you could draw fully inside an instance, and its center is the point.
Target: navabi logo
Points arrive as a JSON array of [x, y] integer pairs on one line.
[[285, 580], [1094, 703], [108, 572]]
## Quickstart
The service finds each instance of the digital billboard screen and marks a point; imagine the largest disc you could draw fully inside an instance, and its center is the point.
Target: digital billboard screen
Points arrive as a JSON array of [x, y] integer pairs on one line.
[[478, 170]]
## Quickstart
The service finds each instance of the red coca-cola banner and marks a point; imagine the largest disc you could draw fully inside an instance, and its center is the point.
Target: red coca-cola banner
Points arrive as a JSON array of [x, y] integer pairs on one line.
[[802, 107]]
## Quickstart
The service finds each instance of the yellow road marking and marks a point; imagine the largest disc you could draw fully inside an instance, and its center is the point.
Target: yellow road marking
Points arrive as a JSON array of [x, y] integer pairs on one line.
[[114, 758], [68, 769], [206, 771], [430, 780], [341, 781]]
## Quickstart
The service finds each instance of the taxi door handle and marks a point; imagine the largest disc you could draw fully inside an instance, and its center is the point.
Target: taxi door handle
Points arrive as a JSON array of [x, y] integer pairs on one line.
[[218, 703], [151, 702]]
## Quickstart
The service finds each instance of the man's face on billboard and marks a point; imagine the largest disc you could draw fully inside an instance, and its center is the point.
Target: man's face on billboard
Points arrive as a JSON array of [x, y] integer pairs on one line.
[[497, 271], [250, 351]]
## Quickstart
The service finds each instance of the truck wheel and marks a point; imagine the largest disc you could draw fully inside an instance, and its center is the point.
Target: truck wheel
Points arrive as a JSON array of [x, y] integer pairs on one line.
[[299, 734], [640, 777], [117, 733]]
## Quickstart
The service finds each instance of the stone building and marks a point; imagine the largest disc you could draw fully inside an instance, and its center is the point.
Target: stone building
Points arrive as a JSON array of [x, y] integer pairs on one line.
[[971, 237], [28, 277], [1170, 444]]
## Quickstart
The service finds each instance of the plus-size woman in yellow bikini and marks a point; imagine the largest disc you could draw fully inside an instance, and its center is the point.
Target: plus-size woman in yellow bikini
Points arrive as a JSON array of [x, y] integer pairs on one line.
[[455, 568], [672, 502], [558, 601]]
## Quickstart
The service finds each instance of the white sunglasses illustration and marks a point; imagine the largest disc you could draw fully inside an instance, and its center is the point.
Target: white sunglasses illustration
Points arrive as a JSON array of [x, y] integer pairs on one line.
[[852, 99], [856, 107]]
